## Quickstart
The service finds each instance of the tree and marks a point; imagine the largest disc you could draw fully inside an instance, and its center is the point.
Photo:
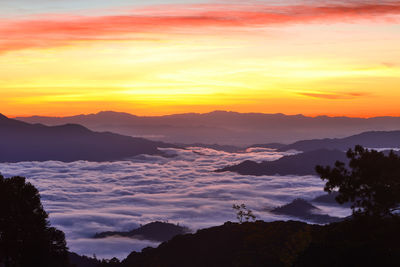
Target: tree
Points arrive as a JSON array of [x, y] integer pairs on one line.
[[26, 238], [372, 184], [243, 214]]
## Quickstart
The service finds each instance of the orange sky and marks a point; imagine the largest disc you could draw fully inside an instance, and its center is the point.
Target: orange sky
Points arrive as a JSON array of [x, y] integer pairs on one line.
[[339, 58]]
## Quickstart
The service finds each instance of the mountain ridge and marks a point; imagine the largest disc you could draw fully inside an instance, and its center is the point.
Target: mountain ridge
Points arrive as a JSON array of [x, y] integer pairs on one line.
[[316, 152], [370, 139], [111, 112], [21, 141], [224, 127], [298, 164]]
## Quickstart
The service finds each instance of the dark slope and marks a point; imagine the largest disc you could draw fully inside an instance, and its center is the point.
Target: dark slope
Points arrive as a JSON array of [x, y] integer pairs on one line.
[[352, 242], [300, 164], [377, 139], [248, 244], [347, 243], [20, 141], [221, 127], [156, 231]]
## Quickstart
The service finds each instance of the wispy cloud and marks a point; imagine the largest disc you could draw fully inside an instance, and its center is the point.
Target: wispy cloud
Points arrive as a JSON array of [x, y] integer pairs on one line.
[[329, 95], [51, 30]]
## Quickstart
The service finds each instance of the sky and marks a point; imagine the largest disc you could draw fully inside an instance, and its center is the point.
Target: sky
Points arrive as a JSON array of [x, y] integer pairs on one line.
[[66, 57]]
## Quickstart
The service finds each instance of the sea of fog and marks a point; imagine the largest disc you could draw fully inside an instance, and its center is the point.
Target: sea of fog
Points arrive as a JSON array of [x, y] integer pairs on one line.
[[83, 197]]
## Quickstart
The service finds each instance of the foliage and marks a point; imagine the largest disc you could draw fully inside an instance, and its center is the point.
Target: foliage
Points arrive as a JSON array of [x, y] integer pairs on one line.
[[26, 238], [372, 184], [361, 241], [243, 214]]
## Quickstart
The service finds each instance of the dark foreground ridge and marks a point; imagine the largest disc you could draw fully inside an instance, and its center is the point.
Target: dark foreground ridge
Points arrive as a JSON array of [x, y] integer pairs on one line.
[[369, 242], [155, 231], [299, 164], [20, 141]]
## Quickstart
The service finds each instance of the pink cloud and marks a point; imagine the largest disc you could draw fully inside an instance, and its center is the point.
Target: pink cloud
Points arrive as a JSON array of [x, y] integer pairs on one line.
[[50, 30]]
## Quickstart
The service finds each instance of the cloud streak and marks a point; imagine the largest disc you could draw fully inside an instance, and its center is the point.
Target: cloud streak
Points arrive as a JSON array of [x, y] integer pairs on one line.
[[333, 96], [51, 30]]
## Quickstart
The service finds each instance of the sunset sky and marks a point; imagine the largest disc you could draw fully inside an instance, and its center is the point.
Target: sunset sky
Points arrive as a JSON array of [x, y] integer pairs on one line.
[[65, 57]]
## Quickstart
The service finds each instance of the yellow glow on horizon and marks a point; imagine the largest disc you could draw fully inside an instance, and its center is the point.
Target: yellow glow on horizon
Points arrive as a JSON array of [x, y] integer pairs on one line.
[[173, 74]]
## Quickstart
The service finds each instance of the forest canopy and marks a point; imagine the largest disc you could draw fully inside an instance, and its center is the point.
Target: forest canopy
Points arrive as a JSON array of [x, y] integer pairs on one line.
[[371, 183], [26, 237]]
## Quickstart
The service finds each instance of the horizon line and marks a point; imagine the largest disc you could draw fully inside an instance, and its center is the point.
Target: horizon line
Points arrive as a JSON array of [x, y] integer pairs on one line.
[[201, 113]]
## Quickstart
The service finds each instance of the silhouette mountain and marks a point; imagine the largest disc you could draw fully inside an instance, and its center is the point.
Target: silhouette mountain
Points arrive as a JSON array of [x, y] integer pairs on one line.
[[155, 231], [225, 128], [299, 164], [21, 141], [302, 209], [376, 139]]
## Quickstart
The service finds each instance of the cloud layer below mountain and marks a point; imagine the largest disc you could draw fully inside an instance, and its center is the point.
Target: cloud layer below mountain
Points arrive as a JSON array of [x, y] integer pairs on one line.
[[88, 197]]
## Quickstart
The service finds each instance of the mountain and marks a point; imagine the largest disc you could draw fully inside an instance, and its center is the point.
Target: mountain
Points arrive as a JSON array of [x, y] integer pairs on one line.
[[299, 164], [376, 139], [156, 231], [21, 141], [225, 128], [302, 209]]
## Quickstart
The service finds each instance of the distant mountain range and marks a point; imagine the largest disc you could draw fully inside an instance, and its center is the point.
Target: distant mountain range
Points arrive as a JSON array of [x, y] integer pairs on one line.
[[225, 128], [21, 141]]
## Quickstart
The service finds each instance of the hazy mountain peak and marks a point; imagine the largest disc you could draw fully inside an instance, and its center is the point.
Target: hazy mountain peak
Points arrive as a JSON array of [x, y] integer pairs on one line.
[[73, 127], [110, 112], [222, 112]]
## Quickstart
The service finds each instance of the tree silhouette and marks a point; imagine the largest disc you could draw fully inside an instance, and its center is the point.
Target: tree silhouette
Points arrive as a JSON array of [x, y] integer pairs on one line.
[[26, 238], [372, 184], [243, 214]]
